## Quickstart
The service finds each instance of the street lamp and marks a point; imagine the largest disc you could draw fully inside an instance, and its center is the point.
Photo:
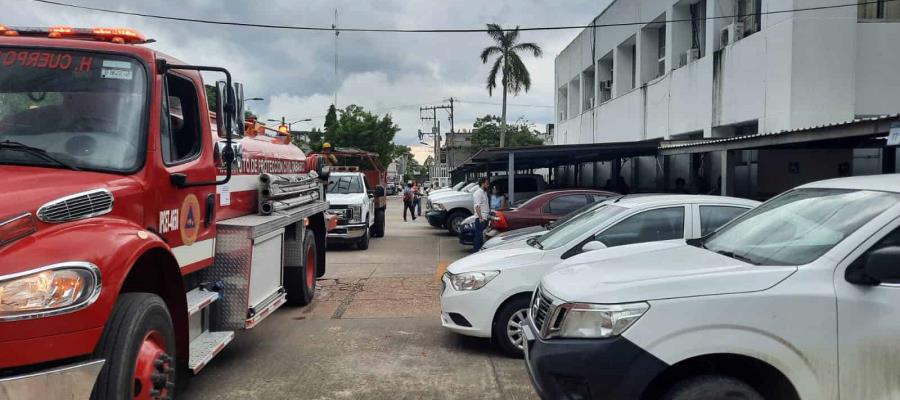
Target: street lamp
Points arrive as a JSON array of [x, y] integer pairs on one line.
[[288, 124]]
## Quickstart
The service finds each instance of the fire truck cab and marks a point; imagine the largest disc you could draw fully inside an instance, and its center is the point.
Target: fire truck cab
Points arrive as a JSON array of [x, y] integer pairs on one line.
[[133, 244]]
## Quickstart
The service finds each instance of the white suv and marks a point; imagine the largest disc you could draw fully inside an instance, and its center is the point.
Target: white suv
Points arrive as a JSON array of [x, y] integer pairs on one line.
[[350, 200], [486, 294], [797, 299]]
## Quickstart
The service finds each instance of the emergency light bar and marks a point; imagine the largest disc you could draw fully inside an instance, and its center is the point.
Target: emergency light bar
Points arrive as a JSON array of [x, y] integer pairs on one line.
[[114, 35]]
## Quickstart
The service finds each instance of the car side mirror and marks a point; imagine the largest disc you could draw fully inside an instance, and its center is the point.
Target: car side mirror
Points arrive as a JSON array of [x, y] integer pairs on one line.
[[593, 245], [883, 265], [371, 195]]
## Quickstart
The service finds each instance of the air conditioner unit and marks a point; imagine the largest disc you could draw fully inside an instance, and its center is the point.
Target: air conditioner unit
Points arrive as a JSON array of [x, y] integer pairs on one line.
[[606, 85], [731, 33]]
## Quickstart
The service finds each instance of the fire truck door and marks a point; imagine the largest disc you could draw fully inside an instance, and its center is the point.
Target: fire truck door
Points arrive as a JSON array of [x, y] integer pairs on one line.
[[185, 215]]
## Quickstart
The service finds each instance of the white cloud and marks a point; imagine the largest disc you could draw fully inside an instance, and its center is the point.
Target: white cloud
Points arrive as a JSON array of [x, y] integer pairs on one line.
[[293, 70]]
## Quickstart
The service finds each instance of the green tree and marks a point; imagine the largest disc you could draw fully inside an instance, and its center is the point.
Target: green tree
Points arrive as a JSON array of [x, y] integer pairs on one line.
[[331, 118], [314, 139], [358, 128], [515, 76], [487, 132]]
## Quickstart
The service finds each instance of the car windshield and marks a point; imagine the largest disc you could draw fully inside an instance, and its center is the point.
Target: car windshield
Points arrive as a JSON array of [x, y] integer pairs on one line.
[[799, 226], [83, 109], [344, 184], [566, 232]]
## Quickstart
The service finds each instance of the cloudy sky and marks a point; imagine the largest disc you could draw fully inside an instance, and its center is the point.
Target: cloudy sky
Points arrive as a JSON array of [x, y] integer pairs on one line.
[[393, 73]]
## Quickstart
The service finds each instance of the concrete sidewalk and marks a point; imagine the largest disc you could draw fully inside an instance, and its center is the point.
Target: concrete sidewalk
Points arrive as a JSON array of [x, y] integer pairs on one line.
[[373, 332]]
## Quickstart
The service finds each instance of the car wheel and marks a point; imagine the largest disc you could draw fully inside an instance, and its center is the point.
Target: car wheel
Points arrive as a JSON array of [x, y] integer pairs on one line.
[[363, 243], [453, 222], [507, 330], [300, 282], [712, 387], [138, 345]]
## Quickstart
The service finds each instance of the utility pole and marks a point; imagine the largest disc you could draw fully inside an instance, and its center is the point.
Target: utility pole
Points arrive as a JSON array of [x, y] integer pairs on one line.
[[337, 33], [436, 128]]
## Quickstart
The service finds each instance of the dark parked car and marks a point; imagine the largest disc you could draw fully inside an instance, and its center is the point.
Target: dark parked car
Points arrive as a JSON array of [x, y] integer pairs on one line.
[[545, 208]]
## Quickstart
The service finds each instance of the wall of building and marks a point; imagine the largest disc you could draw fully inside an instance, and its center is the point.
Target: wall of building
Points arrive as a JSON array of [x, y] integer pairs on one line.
[[877, 85], [780, 170], [800, 70]]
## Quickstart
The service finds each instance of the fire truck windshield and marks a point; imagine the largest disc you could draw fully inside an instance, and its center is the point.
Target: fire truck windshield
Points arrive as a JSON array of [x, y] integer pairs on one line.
[[85, 110]]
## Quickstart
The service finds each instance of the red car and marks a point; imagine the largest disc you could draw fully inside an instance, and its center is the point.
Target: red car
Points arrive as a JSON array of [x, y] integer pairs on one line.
[[545, 208]]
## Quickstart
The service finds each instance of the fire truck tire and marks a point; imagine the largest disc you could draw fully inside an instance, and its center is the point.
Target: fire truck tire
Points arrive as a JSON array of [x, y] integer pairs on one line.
[[300, 282], [138, 345]]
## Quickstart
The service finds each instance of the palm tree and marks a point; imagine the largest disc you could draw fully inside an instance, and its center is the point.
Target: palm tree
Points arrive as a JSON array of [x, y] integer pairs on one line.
[[515, 74]]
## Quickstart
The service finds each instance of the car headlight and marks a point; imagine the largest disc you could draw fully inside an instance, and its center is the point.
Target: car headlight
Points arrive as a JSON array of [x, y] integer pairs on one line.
[[50, 290], [582, 320], [356, 214], [472, 280], [439, 207]]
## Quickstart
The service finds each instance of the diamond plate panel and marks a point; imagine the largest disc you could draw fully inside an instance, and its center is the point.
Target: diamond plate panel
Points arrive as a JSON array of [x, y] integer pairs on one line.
[[234, 253], [293, 245], [205, 347]]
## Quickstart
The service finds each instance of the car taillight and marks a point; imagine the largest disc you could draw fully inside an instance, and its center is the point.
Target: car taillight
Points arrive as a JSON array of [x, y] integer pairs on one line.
[[16, 228], [500, 221]]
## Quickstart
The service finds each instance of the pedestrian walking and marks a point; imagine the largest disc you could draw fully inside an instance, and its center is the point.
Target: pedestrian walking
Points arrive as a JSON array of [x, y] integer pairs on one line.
[[417, 198], [408, 201], [482, 208]]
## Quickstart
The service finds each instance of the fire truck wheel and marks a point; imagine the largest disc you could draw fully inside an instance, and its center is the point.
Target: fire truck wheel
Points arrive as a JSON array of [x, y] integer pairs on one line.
[[363, 243], [300, 282], [138, 345]]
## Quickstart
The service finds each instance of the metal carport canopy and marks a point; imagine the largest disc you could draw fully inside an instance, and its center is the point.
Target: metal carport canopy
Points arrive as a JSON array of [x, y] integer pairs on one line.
[[534, 157], [802, 138]]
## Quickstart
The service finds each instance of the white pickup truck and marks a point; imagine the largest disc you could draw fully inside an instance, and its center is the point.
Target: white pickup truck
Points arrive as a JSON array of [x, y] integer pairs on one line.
[[350, 200], [796, 299]]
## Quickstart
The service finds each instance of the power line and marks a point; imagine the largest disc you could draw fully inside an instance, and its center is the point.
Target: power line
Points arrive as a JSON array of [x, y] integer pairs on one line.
[[439, 30], [508, 104]]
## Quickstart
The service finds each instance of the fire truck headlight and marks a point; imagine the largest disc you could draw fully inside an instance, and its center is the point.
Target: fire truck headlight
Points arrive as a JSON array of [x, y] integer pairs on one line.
[[50, 290]]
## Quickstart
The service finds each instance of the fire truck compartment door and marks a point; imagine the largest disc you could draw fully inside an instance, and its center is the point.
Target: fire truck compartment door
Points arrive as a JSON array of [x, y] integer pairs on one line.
[[265, 269]]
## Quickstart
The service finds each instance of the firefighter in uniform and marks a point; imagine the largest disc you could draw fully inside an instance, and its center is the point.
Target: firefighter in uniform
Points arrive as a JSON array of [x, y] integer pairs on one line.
[[330, 159]]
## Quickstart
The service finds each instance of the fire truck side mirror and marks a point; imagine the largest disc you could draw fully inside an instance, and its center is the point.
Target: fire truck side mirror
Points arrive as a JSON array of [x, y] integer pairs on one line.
[[226, 108], [322, 168]]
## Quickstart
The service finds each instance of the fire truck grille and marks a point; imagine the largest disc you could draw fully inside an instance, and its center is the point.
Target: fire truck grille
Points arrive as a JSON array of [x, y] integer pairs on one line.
[[77, 206]]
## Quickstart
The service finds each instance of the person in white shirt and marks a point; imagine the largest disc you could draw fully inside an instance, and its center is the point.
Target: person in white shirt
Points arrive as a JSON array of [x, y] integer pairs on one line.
[[482, 208]]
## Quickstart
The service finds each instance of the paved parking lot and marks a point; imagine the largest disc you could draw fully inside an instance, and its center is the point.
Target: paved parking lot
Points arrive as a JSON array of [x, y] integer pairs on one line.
[[372, 333]]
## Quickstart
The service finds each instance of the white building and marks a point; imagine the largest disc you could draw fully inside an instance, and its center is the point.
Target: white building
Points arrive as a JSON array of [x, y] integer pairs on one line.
[[709, 76], [721, 68]]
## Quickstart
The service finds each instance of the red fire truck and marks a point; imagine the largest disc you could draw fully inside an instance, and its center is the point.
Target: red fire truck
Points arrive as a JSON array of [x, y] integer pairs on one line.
[[131, 243]]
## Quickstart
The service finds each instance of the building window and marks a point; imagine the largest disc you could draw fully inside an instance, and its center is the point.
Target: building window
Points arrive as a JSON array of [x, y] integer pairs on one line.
[[698, 27], [634, 76], [879, 9], [661, 51], [748, 12]]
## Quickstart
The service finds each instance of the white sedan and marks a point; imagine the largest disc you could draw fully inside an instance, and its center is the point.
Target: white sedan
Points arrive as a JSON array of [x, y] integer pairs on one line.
[[487, 293]]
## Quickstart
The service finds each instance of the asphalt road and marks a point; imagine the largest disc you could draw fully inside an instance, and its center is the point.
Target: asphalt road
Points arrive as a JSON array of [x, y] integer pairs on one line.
[[373, 332]]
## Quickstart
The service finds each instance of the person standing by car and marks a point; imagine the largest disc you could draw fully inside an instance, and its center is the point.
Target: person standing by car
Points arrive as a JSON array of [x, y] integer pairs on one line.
[[482, 208], [408, 201], [498, 199], [417, 198]]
